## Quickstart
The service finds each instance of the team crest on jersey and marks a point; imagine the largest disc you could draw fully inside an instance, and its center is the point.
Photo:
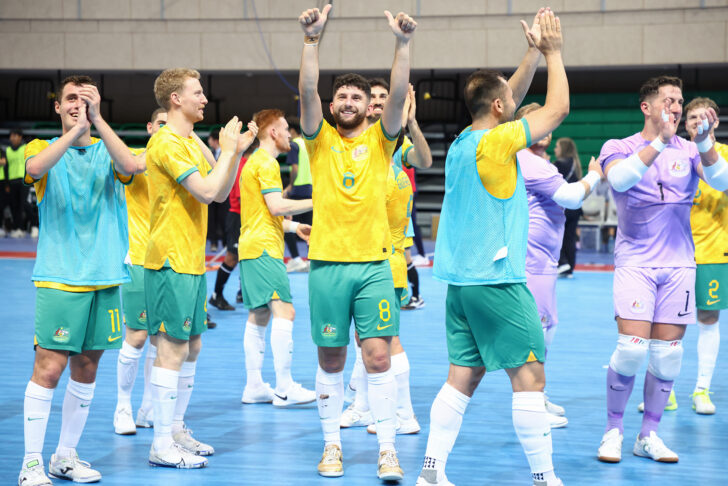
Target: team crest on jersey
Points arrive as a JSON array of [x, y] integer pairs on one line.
[[679, 168], [637, 306], [143, 316], [61, 335], [360, 152], [329, 331], [187, 324]]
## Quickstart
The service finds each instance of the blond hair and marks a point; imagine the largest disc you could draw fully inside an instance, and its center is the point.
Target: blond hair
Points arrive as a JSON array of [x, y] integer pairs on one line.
[[701, 103], [526, 109], [171, 81], [569, 150]]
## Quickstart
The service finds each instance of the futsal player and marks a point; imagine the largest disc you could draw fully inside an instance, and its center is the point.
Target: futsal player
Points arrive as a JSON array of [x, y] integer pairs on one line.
[[181, 183], [78, 270], [491, 320], [263, 276], [654, 176], [350, 241]]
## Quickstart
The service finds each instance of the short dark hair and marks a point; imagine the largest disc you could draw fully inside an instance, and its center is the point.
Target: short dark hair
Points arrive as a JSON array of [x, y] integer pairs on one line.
[[354, 80], [294, 123], [379, 82], [16, 131], [653, 85], [215, 133], [156, 113], [481, 88], [77, 80]]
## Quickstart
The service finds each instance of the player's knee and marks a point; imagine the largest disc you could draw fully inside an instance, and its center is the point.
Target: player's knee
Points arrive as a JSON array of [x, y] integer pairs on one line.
[[136, 338], [48, 375], [377, 361], [629, 354], [665, 359], [708, 317]]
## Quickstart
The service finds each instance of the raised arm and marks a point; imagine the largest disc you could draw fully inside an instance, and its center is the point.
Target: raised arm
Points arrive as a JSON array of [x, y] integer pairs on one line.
[[572, 195], [403, 27], [714, 167], [521, 79], [279, 206], [125, 163], [546, 119], [420, 155], [312, 22]]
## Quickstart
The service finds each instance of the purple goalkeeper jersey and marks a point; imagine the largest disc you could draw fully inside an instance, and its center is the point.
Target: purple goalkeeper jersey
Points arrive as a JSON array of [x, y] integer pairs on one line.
[[545, 217], [654, 216]]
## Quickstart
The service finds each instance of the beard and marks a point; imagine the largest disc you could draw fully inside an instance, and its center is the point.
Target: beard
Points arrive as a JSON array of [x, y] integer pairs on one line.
[[351, 123]]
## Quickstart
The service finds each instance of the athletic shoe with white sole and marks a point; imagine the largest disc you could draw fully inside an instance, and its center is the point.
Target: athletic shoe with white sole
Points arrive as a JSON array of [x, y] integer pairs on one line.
[[123, 422], [388, 467], [702, 403], [73, 469], [610, 450], [553, 408], [33, 474], [428, 477], [653, 447], [184, 438], [351, 417], [176, 456], [258, 394], [295, 395], [296, 265], [669, 406], [414, 303], [145, 418], [404, 427], [556, 421], [331, 464], [420, 261]]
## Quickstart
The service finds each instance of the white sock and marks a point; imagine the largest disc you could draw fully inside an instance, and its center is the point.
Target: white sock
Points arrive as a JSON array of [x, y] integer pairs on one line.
[[401, 370], [148, 364], [254, 347], [361, 384], [330, 399], [164, 397], [708, 345], [446, 417], [383, 394], [36, 410], [358, 369], [75, 412], [281, 342], [126, 370], [534, 432], [185, 385]]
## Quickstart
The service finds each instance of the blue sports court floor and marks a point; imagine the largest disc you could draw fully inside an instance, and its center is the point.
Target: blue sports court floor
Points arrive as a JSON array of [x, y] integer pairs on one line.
[[260, 445]]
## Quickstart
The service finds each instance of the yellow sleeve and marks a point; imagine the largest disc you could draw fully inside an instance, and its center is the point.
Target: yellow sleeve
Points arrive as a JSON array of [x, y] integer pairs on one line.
[[388, 142], [174, 159], [31, 150], [269, 177], [495, 156], [316, 140]]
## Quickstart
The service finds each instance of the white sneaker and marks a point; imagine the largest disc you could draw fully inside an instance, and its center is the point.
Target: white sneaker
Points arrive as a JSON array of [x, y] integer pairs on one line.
[[563, 268], [73, 469], [295, 395], [258, 394], [296, 265], [18, 233], [653, 447], [429, 477], [123, 422], [553, 408], [184, 438], [420, 261], [176, 456], [702, 403], [610, 450], [33, 474], [145, 418], [34, 232], [404, 427], [355, 418], [557, 422]]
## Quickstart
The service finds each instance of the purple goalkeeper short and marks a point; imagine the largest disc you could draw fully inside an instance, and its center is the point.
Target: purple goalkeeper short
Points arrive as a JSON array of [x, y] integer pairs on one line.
[[664, 295], [543, 288]]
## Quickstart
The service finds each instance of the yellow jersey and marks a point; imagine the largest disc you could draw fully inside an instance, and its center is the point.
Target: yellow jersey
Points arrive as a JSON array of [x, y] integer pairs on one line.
[[137, 207], [259, 230], [178, 221], [496, 157], [709, 220], [399, 211], [349, 178]]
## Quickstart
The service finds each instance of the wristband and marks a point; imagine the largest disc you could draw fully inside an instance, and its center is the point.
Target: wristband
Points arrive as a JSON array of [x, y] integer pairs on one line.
[[592, 178], [657, 144], [292, 226], [705, 145]]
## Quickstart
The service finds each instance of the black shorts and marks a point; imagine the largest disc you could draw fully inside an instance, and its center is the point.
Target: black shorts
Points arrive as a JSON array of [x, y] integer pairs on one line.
[[232, 231]]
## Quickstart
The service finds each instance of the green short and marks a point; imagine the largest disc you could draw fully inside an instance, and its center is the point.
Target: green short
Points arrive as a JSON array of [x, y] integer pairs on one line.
[[496, 326], [176, 303], [264, 279], [711, 286], [403, 296], [134, 299], [339, 291], [78, 321]]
